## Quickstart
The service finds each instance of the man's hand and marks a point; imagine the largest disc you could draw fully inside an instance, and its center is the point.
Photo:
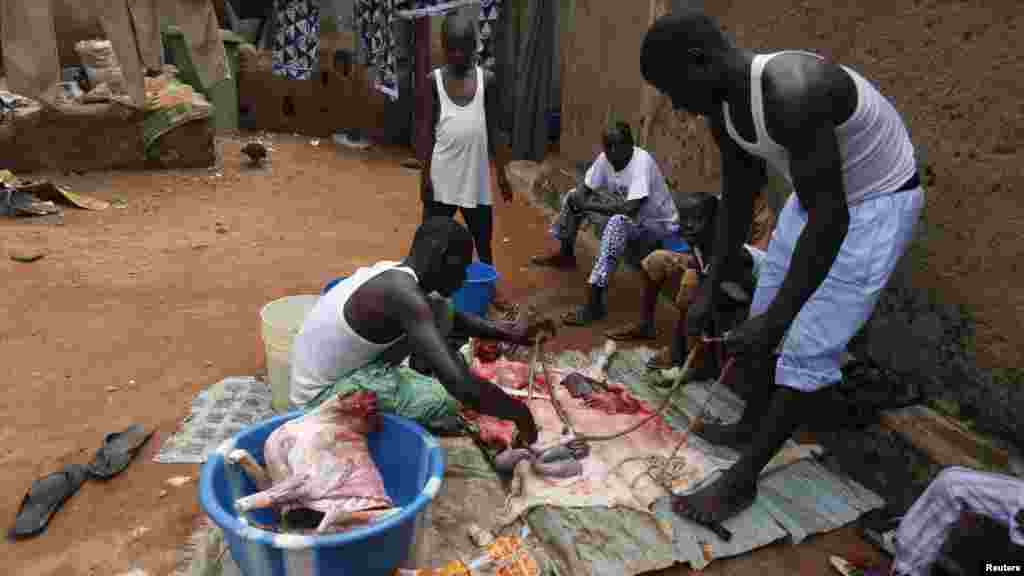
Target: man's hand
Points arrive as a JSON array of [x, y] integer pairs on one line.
[[701, 315], [526, 429], [574, 201], [759, 335], [530, 329], [505, 187], [426, 190]]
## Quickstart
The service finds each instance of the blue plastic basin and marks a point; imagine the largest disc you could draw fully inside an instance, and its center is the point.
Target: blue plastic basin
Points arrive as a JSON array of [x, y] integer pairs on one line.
[[476, 294], [332, 284], [675, 244], [411, 463]]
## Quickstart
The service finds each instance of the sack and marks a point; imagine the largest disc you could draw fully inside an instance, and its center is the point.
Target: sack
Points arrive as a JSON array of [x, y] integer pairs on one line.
[[101, 65]]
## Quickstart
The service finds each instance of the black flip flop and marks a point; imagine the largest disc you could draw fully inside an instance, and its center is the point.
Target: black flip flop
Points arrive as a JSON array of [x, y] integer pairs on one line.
[[117, 452], [46, 496]]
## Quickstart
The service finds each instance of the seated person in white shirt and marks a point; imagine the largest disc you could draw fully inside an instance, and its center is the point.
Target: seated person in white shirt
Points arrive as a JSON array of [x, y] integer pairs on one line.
[[641, 210]]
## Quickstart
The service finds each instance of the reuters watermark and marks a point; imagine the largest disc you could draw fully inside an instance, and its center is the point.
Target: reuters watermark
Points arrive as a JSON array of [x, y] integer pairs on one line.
[[993, 568]]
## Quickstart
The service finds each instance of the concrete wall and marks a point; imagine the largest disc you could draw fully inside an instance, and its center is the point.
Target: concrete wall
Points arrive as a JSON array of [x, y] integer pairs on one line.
[[952, 68]]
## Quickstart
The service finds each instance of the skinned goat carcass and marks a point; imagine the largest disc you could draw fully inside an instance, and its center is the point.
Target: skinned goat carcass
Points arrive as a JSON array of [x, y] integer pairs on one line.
[[321, 461]]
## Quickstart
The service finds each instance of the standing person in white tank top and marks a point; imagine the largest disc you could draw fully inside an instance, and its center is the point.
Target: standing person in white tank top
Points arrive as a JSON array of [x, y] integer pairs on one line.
[[856, 202], [464, 138]]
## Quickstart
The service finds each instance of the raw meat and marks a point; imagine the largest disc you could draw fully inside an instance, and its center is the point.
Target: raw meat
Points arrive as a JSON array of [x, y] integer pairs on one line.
[[508, 373], [615, 400], [493, 431], [321, 461]]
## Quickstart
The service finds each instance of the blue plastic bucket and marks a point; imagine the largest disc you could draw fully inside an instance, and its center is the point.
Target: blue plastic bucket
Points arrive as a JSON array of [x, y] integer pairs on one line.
[[675, 244], [411, 463], [476, 294], [332, 284]]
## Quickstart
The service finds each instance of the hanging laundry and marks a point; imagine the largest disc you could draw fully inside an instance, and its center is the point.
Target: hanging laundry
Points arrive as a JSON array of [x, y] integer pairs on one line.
[[297, 41], [374, 19], [490, 13]]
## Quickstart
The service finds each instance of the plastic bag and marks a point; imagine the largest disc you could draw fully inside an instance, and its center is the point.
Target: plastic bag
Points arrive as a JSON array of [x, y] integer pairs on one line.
[[506, 556]]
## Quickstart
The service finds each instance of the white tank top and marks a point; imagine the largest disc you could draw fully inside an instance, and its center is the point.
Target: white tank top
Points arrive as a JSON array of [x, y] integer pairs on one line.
[[874, 146], [327, 348], [460, 165]]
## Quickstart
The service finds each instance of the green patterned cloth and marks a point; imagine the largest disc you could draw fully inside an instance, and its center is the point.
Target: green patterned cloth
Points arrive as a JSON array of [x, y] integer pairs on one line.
[[400, 390]]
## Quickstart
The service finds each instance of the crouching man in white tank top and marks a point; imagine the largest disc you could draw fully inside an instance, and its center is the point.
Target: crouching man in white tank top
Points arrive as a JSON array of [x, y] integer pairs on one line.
[[846, 152], [383, 312]]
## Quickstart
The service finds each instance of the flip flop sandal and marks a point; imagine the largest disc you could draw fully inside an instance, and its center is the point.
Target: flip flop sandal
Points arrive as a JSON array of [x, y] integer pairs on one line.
[[45, 498], [117, 452], [631, 332], [581, 316]]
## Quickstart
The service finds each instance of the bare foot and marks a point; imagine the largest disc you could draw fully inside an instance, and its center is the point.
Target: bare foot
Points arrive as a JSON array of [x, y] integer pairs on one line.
[[717, 502]]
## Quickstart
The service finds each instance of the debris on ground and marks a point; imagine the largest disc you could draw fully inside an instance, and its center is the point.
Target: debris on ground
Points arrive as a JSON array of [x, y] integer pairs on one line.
[[479, 536], [140, 532], [178, 481], [256, 152], [26, 255], [356, 140], [508, 556]]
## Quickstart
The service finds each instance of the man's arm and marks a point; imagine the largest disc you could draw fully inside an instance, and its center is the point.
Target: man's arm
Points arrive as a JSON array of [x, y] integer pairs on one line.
[[626, 207], [743, 175], [809, 135], [426, 186], [597, 177], [521, 332], [410, 308], [496, 146]]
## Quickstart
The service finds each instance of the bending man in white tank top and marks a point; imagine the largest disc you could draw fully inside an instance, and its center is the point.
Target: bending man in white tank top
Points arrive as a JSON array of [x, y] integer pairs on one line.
[[846, 152], [383, 312]]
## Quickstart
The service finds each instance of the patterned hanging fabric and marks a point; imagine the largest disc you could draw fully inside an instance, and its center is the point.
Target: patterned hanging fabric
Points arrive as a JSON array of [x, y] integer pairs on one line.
[[374, 19], [490, 13], [297, 41]]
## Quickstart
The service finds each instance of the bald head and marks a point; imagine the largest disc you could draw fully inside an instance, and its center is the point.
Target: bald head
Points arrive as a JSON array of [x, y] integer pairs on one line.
[[459, 35], [441, 250], [680, 54]]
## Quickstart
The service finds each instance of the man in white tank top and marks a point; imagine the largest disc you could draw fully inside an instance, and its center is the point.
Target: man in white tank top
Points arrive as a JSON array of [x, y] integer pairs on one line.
[[383, 310], [464, 137], [856, 202]]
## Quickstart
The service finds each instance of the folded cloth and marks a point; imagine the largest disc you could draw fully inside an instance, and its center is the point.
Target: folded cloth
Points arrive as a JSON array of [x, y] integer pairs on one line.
[[400, 390]]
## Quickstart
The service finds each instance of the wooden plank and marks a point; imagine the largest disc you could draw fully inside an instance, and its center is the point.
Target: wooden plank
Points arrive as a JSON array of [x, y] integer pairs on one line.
[[944, 440]]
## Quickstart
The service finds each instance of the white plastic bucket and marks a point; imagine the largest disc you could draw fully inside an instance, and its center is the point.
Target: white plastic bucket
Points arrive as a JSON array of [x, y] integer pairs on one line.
[[282, 319]]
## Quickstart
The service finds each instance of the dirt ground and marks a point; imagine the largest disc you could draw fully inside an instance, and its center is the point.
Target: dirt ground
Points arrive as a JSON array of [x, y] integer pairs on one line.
[[132, 311]]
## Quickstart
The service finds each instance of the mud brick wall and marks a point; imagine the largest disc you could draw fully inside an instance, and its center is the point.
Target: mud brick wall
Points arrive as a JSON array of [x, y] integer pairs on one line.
[[951, 67]]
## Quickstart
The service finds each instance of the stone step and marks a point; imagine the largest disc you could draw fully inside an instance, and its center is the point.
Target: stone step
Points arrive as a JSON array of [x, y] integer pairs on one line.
[[948, 442]]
